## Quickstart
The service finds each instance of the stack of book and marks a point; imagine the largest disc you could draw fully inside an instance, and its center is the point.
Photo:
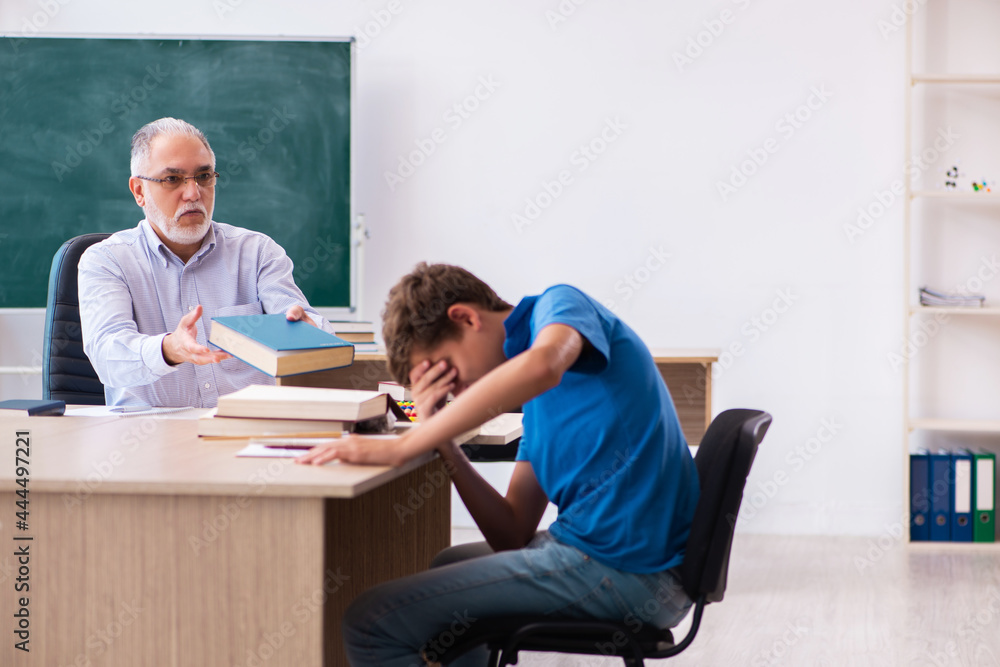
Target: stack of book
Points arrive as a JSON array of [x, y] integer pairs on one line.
[[361, 334], [930, 297], [354, 332], [260, 410], [952, 496], [278, 347]]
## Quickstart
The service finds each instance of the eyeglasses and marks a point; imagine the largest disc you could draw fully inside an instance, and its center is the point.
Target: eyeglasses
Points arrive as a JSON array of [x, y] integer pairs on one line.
[[205, 179]]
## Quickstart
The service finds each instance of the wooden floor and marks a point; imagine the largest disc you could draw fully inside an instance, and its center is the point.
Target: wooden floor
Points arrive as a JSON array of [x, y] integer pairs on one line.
[[841, 601]]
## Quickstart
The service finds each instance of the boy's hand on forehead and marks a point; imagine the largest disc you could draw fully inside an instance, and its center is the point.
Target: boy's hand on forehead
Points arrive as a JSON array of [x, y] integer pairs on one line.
[[430, 386]]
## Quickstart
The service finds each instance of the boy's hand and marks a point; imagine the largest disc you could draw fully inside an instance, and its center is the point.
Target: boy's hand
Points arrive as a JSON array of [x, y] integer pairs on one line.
[[430, 386], [355, 449]]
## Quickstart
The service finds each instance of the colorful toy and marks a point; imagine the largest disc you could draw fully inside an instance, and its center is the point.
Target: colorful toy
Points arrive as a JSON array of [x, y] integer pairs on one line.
[[410, 409], [981, 187]]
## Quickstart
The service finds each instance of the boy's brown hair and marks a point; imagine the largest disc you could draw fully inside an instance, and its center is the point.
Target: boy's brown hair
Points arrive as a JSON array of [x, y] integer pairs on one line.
[[416, 312]]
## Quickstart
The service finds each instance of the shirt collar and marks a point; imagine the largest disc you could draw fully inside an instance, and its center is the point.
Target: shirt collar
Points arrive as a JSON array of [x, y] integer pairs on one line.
[[164, 253], [207, 243], [518, 331]]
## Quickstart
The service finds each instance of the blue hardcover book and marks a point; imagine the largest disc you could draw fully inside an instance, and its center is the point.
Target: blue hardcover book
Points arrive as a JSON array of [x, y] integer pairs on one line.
[[961, 499], [941, 492], [278, 347], [920, 497]]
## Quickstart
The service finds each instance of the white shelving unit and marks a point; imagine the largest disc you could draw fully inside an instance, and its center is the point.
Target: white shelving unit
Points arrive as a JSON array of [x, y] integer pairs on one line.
[[941, 213]]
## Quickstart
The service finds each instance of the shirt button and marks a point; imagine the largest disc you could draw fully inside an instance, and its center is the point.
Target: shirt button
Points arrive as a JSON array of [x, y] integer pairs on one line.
[[207, 385], [190, 307]]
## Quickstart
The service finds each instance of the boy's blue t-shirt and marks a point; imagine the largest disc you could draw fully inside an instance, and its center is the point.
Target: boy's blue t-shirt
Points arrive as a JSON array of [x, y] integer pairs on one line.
[[605, 444]]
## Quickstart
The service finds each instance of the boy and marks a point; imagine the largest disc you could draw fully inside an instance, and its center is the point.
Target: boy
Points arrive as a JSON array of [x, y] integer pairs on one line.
[[601, 441]]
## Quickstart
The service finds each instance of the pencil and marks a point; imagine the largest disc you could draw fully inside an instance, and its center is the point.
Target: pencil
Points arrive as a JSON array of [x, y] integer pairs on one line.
[[274, 436]]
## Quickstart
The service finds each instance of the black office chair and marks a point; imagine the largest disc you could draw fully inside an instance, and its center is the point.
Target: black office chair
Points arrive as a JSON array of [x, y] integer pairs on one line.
[[723, 459], [67, 374]]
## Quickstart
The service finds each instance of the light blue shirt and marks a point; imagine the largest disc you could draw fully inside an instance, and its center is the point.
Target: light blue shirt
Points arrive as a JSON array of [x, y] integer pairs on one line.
[[605, 444], [134, 291]]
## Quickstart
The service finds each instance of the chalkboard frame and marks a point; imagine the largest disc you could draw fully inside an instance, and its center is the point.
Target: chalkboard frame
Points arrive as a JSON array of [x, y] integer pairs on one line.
[[349, 238]]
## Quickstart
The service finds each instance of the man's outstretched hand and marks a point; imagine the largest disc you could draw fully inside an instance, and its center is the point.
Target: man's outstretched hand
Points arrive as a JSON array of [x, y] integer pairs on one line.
[[296, 313], [182, 344]]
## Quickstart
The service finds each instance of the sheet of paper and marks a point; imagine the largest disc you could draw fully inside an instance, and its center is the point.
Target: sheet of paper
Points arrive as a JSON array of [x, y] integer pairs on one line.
[[291, 443], [263, 451]]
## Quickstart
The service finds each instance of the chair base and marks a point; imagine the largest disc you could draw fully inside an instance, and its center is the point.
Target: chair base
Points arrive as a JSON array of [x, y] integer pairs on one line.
[[507, 636]]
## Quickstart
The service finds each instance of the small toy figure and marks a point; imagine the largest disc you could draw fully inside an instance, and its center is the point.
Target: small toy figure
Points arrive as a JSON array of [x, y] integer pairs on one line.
[[951, 178]]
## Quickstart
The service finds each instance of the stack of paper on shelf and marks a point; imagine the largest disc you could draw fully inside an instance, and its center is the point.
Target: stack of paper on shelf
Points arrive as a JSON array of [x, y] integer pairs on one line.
[[278, 347], [930, 297]]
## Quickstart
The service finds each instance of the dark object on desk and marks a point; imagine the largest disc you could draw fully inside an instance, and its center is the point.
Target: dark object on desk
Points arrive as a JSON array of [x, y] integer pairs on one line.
[[380, 424], [494, 453], [31, 408], [489, 453], [67, 374], [723, 459]]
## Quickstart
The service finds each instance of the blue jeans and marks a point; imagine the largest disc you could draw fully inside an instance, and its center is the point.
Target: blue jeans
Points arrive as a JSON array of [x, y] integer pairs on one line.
[[390, 624]]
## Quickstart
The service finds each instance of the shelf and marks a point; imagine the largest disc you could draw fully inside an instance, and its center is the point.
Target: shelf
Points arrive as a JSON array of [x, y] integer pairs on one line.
[[969, 96], [934, 310], [956, 78], [956, 425], [951, 194], [954, 546]]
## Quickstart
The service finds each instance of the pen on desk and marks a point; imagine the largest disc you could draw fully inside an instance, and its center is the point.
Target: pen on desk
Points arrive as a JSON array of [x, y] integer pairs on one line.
[[291, 442], [131, 408], [285, 436]]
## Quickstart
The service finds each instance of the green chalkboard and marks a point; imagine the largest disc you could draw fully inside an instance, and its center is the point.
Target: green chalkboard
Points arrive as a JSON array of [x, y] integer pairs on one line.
[[277, 114]]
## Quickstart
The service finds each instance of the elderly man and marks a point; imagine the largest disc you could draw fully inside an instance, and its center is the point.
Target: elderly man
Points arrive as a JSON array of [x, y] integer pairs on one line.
[[148, 294]]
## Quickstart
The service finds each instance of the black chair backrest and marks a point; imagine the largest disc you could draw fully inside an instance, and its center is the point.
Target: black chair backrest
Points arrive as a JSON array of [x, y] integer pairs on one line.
[[67, 374], [723, 459]]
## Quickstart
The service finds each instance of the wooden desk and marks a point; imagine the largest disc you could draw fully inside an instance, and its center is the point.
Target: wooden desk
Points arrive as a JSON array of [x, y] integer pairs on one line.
[[152, 548], [687, 372]]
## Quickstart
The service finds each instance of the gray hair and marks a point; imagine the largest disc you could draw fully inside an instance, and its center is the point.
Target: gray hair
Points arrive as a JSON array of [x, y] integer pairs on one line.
[[164, 126]]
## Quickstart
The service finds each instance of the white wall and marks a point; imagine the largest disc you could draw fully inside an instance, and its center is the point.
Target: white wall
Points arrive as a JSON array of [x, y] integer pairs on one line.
[[767, 268]]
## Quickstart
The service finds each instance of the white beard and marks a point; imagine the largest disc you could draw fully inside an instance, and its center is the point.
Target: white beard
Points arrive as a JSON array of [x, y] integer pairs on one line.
[[172, 229]]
